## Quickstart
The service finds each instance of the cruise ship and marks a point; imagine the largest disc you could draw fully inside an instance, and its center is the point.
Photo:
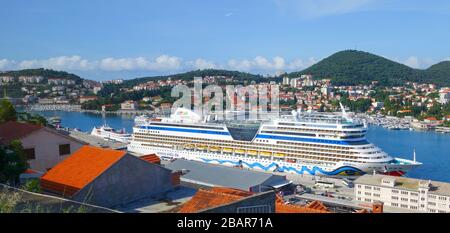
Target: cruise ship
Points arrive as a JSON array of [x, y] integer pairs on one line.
[[109, 133], [302, 142]]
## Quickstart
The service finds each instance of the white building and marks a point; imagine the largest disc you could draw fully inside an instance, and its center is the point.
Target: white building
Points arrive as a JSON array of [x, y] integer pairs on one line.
[[296, 82], [31, 79], [7, 79], [44, 147], [406, 193], [286, 80], [129, 105], [444, 96]]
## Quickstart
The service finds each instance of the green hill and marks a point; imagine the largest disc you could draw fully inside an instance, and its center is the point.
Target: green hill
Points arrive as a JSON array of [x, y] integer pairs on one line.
[[198, 73], [46, 73], [440, 72], [351, 67]]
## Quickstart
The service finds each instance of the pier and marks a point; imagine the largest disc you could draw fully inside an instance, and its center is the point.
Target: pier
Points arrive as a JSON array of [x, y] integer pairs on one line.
[[95, 141]]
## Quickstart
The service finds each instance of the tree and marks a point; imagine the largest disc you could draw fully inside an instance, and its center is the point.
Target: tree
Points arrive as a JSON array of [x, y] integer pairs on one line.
[[7, 111], [13, 162]]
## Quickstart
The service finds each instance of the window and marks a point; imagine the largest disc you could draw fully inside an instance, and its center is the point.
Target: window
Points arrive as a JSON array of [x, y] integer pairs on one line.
[[394, 198], [30, 153], [64, 149], [394, 191], [394, 204], [404, 199]]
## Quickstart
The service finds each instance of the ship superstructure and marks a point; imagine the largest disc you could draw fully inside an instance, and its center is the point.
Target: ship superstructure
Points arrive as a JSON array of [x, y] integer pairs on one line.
[[109, 133], [303, 143]]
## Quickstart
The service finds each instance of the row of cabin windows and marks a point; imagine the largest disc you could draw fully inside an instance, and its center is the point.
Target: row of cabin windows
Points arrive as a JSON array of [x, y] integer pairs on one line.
[[64, 149]]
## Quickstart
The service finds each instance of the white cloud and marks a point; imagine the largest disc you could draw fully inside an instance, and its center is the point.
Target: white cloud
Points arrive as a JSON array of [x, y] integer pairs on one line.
[[161, 63], [5, 64], [299, 64], [320, 8], [201, 64], [277, 63], [418, 63], [228, 14], [62, 62], [412, 62]]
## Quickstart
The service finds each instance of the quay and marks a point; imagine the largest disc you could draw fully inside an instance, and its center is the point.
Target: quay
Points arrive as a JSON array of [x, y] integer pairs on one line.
[[94, 141]]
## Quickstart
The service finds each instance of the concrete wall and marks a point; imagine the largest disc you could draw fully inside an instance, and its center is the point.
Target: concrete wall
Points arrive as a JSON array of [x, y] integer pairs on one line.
[[46, 148], [261, 199], [128, 180]]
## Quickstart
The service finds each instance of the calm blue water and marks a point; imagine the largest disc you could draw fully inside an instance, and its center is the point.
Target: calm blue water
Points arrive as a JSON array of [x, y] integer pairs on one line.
[[432, 149]]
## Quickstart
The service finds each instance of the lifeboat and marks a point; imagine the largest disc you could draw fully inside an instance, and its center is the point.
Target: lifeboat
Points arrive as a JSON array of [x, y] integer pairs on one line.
[[229, 150], [252, 152], [239, 151], [280, 154], [265, 153], [214, 148]]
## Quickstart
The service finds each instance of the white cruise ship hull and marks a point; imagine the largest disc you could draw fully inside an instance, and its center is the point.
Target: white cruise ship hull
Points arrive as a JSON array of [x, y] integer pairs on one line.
[[397, 168]]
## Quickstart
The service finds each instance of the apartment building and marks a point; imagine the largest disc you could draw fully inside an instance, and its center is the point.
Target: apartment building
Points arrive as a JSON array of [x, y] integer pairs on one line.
[[406, 193]]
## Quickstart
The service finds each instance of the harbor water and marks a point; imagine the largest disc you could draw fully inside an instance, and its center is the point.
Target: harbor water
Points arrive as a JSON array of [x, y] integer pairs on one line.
[[432, 149]]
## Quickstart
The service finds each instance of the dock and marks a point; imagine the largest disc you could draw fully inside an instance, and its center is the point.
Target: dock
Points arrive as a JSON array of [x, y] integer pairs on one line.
[[96, 141]]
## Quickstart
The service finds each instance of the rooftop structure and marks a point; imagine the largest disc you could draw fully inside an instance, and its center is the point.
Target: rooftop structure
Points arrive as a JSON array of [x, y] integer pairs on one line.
[[102, 177], [211, 175]]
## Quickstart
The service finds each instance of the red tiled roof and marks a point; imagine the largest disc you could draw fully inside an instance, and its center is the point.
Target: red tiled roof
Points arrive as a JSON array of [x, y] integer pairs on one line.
[[13, 130], [313, 207], [79, 169], [205, 199], [151, 158], [217, 196]]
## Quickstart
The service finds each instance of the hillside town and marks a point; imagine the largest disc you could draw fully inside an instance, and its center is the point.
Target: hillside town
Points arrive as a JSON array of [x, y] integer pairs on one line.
[[413, 105]]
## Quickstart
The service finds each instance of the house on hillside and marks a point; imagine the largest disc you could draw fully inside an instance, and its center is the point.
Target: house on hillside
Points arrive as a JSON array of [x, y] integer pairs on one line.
[[43, 146]]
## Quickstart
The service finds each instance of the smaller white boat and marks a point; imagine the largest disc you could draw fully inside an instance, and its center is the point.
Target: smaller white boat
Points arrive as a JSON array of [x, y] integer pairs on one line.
[[141, 120], [109, 133]]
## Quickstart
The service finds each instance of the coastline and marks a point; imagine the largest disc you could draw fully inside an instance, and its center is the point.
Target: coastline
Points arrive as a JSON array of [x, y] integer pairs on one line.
[[77, 108]]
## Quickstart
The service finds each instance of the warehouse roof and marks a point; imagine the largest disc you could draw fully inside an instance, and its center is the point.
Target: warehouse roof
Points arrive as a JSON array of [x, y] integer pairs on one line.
[[217, 175]]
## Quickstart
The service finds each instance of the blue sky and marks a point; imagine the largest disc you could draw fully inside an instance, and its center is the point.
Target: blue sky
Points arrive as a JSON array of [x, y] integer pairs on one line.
[[101, 39]]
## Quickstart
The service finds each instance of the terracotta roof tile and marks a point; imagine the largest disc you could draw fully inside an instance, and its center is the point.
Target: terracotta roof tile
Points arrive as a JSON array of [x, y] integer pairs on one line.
[[205, 199], [313, 207], [13, 130], [151, 158], [79, 169]]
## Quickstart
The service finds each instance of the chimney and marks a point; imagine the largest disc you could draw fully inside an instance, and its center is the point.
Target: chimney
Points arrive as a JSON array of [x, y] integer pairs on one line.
[[377, 207]]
